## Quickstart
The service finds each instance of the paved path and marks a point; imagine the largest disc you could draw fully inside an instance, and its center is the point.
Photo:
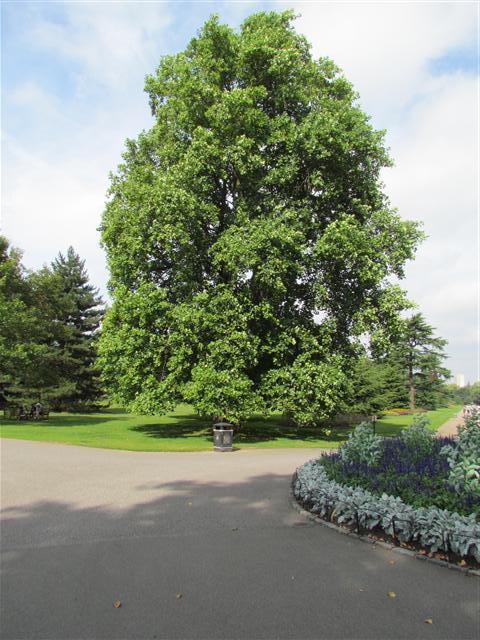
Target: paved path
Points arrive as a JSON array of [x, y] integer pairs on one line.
[[85, 527], [450, 427]]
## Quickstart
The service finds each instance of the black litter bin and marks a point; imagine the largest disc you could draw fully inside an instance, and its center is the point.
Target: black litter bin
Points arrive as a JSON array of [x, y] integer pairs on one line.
[[223, 436]]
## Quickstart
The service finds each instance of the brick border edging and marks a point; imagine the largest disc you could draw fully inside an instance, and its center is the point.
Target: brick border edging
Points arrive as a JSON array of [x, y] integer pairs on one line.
[[379, 543]]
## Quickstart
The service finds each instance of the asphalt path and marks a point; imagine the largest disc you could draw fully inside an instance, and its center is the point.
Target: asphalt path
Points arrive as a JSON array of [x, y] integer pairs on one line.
[[199, 545]]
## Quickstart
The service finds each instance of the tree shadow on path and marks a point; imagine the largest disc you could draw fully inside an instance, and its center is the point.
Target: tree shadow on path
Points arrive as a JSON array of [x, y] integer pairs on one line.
[[212, 559]]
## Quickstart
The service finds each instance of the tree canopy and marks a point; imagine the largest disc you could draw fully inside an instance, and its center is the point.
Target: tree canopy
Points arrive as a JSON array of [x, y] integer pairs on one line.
[[21, 328], [249, 242], [48, 324]]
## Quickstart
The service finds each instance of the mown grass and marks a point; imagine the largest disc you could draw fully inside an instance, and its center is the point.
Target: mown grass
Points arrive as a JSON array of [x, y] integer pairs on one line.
[[182, 430], [390, 425]]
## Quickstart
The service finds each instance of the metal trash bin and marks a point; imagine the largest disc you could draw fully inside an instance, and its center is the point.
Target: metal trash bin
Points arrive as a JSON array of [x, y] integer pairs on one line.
[[223, 436]]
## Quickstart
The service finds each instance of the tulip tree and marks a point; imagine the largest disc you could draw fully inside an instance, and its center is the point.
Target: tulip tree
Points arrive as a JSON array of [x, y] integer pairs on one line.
[[249, 243]]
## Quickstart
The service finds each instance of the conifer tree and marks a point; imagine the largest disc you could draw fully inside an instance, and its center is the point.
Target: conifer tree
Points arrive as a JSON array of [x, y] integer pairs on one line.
[[78, 310], [420, 355], [376, 386], [49, 321]]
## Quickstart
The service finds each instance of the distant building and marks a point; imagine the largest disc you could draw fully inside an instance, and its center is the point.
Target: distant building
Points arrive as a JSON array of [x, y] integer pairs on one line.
[[460, 380]]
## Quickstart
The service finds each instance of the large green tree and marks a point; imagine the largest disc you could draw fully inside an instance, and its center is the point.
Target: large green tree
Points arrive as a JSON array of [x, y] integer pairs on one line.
[[249, 243]]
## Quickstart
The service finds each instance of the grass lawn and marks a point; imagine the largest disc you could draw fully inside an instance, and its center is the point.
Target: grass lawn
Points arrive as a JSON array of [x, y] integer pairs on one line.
[[182, 430], [390, 425]]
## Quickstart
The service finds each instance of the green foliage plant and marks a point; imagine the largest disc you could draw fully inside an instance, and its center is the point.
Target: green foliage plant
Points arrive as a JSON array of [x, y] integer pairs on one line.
[[49, 320], [464, 455], [363, 446], [417, 437], [78, 310], [249, 243], [374, 386], [27, 359], [437, 529]]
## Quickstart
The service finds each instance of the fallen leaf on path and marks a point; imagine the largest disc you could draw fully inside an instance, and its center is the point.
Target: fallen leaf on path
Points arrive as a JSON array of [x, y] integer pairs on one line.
[[117, 604], [462, 563], [234, 528], [391, 594], [429, 621], [190, 504], [391, 562], [179, 595]]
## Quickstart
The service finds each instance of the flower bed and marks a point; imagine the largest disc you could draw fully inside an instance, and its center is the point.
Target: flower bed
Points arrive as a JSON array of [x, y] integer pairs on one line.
[[424, 475], [421, 481]]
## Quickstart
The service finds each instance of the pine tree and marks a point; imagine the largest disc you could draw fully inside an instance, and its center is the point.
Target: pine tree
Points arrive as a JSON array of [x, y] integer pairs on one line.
[[79, 313]]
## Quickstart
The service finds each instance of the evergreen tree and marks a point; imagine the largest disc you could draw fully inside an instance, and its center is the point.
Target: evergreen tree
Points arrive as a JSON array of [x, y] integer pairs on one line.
[[420, 355], [469, 394], [48, 325], [78, 312], [375, 386], [25, 355]]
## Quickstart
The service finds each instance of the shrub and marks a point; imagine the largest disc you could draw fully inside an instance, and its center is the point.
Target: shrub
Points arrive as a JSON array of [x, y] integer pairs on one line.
[[363, 446], [464, 456], [417, 438]]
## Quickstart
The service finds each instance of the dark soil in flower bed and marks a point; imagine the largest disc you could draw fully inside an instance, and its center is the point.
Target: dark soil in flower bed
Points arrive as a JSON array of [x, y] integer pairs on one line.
[[418, 478]]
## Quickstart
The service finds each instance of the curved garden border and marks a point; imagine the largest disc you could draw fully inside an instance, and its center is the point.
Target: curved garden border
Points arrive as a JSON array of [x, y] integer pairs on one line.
[[322, 511]]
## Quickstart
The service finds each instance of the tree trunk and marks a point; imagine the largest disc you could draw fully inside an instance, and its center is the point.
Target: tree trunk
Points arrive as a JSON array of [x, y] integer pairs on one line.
[[411, 389]]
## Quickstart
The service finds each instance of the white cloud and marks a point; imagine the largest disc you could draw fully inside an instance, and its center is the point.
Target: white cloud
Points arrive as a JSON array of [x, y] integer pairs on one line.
[[49, 206], [108, 40], [435, 180], [385, 48], [58, 149]]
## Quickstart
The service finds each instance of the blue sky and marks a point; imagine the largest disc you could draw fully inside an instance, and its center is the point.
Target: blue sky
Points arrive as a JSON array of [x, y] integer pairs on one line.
[[72, 91]]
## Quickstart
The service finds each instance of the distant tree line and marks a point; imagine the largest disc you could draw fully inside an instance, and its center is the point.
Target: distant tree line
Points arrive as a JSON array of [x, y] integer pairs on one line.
[[49, 323], [469, 394]]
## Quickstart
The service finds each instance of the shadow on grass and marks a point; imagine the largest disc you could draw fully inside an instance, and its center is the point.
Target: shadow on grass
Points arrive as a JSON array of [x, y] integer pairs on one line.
[[114, 411], [70, 420], [255, 431], [184, 426]]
